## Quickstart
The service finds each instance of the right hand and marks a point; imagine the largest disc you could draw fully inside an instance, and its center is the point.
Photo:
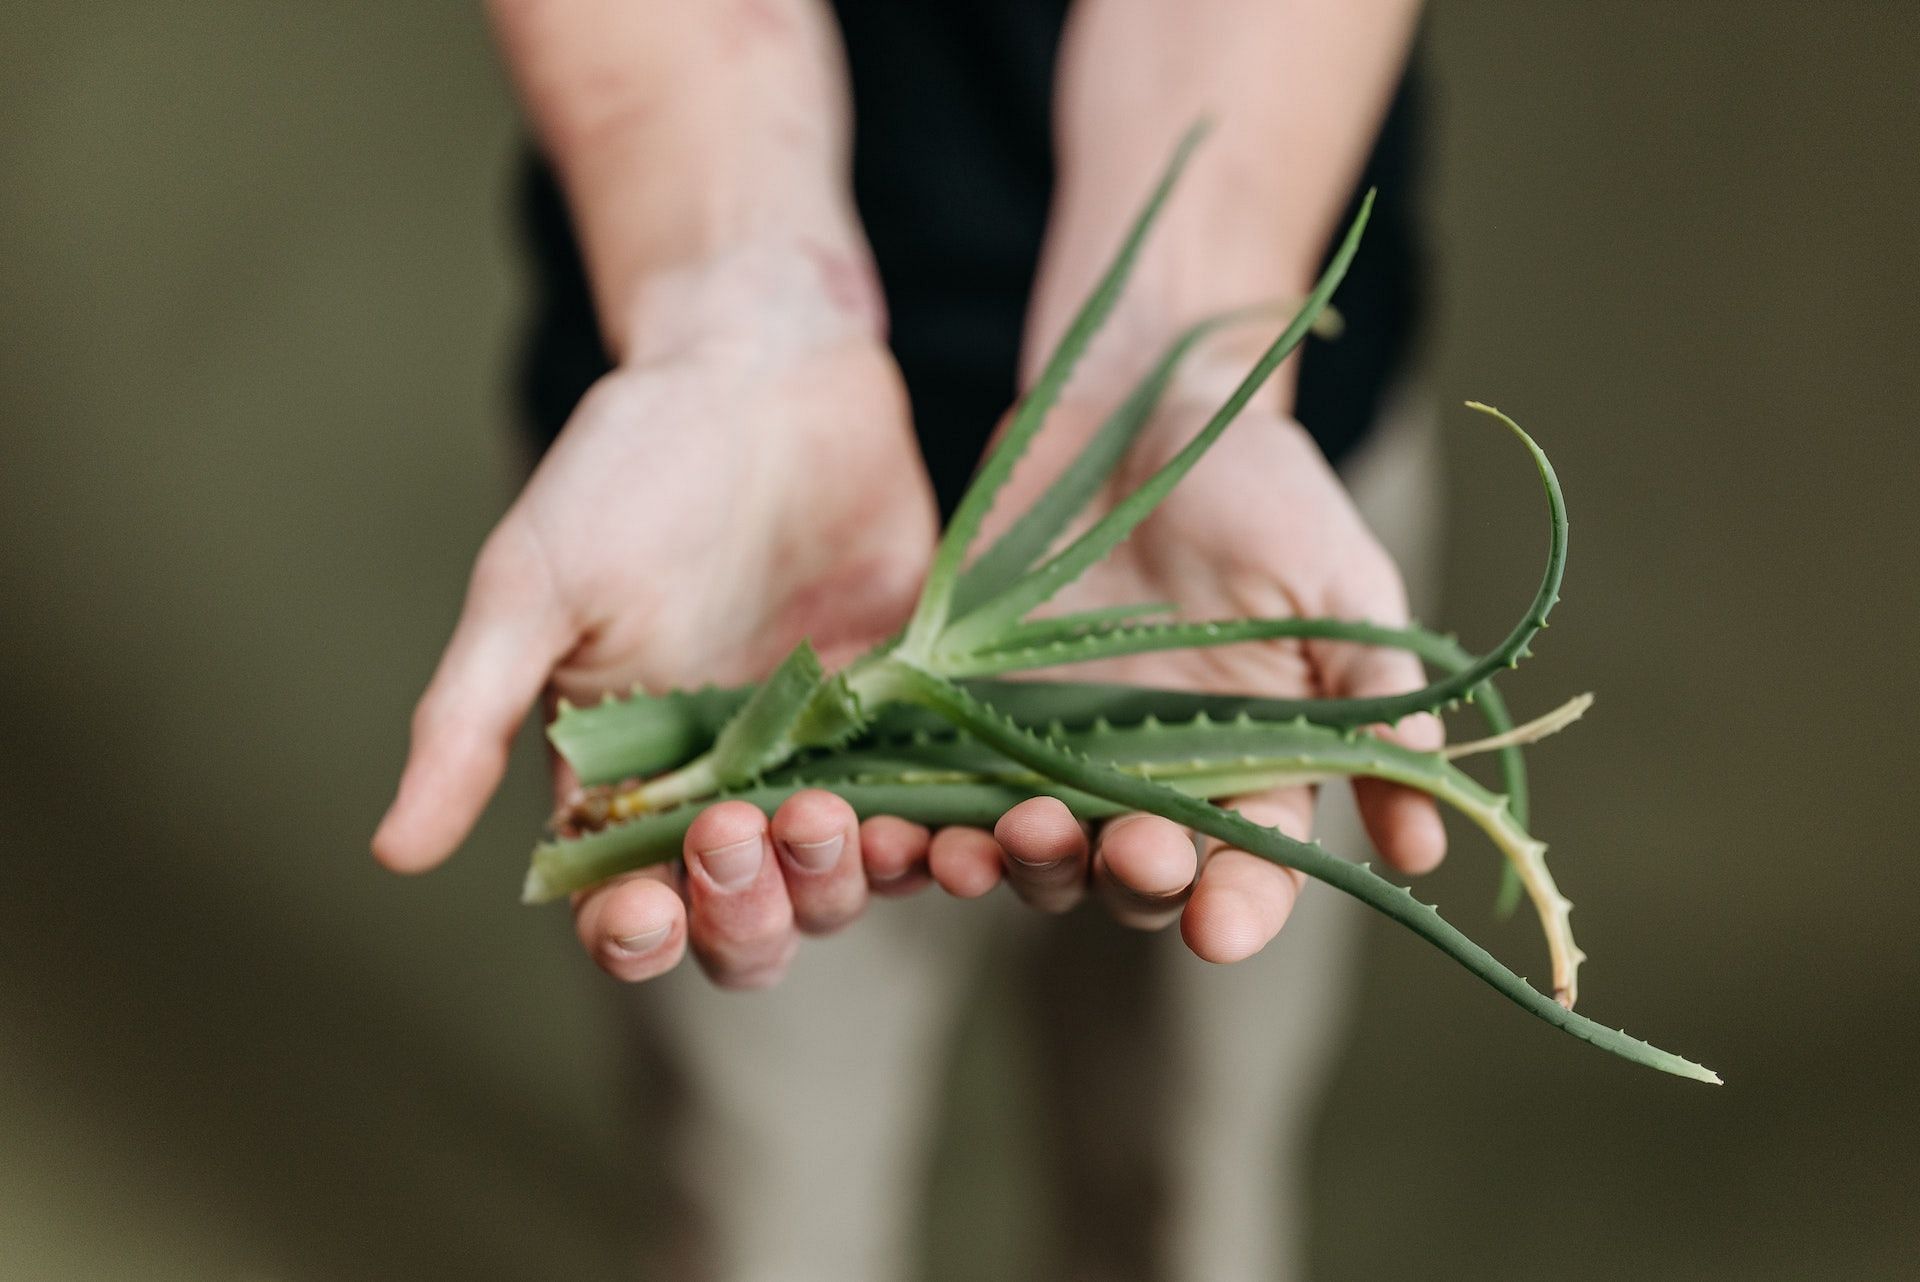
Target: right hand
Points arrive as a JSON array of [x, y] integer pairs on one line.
[[747, 478]]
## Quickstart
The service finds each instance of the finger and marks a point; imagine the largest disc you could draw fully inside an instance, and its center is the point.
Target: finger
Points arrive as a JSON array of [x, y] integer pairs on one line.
[[1143, 869], [634, 927], [895, 853], [966, 862], [1240, 901], [817, 837], [1403, 823], [741, 924], [1046, 847], [511, 632]]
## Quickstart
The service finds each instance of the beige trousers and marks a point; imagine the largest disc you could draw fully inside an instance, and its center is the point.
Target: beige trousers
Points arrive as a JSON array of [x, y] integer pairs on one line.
[[1179, 1096]]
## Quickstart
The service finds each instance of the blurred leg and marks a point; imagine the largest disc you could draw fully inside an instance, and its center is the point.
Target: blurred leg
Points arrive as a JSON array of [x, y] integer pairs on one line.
[[1182, 1094], [797, 1118], [1251, 1048], [1252, 1044]]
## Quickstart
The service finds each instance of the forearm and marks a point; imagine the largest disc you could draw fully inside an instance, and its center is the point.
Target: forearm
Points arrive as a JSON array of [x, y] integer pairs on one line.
[[1295, 89], [688, 135]]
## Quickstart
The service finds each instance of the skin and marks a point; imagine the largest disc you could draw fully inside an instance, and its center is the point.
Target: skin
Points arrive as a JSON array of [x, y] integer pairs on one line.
[[748, 476], [1261, 526]]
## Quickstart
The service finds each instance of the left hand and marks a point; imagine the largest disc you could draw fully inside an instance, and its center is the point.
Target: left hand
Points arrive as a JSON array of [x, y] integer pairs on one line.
[[1262, 526]]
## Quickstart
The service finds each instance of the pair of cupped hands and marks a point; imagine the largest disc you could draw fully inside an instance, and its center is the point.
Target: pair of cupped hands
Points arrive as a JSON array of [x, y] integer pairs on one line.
[[715, 500]]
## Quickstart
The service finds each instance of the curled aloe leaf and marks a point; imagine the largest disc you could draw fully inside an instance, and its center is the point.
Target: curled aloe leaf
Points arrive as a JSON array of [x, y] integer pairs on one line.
[[1362, 883]]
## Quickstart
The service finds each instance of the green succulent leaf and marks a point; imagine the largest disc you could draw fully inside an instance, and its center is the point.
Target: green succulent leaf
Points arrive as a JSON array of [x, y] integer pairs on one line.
[[930, 616], [643, 733], [1120, 788], [987, 620], [1043, 523]]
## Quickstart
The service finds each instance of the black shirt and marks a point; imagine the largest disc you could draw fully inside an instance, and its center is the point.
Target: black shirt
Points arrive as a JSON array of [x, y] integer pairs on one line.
[[952, 174]]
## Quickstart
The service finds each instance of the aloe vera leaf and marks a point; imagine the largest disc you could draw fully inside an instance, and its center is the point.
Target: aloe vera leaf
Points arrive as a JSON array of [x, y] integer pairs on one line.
[[1382, 709], [1201, 744], [563, 866], [1070, 492], [1028, 538], [1201, 757], [1086, 775], [742, 748], [1430, 647], [936, 597], [643, 733], [1115, 640], [1550, 723], [1506, 899], [1087, 645], [1036, 703], [1020, 651], [1208, 758], [1387, 709], [984, 623], [927, 779], [798, 706], [1062, 627]]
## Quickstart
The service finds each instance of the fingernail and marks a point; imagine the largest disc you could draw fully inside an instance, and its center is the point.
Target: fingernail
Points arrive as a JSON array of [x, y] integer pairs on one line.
[[646, 941], [734, 867], [817, 856], [1036, 865]]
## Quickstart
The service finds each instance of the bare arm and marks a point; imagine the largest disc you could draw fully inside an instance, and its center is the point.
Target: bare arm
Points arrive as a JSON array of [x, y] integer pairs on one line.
[[1296, 90], [688, 135]]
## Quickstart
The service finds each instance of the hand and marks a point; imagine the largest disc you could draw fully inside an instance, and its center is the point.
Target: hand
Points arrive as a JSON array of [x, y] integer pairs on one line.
[[1262, 526], [726, 493]]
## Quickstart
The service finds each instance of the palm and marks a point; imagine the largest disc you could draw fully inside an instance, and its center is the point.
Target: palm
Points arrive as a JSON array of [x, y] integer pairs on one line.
[[698, 516], [735, 541], [1261, 527]]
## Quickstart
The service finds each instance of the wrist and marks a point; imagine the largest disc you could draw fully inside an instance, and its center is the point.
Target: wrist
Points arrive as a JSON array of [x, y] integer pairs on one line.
[[766, 298], [1203, 260], [687, 138], [1209, 370]]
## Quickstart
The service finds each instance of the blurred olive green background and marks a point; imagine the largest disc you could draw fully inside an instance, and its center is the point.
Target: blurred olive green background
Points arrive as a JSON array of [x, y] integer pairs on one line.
[[257, 309]]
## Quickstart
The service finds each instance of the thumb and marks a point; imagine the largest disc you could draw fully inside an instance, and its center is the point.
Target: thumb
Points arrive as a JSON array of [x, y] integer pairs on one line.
[[512, 630]]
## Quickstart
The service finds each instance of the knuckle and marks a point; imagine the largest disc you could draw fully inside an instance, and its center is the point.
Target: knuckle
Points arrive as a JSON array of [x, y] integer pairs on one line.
[[825, 919], [736, 972]]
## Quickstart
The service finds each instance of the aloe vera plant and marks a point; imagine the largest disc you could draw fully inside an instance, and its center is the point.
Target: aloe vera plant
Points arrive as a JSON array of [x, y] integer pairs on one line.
[[921, 727]]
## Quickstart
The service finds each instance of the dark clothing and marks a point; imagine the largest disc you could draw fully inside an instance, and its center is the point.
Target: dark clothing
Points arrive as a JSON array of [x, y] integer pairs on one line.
[[952, 171]]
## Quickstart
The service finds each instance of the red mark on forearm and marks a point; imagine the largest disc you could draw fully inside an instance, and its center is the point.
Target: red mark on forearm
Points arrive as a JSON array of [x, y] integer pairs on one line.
[[850, 283]]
